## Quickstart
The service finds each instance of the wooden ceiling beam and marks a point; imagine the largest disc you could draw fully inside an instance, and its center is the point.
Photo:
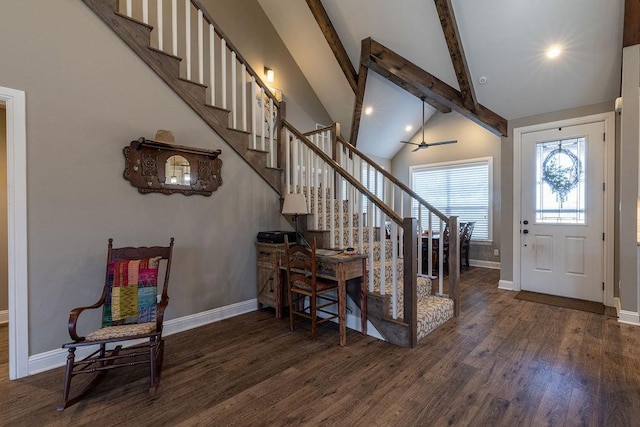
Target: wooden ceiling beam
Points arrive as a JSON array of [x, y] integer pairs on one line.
[[365, 52], [422, 84], [438, 106], [330, 33], [454, 43], [357, 108], [631, 32], [362, 85]]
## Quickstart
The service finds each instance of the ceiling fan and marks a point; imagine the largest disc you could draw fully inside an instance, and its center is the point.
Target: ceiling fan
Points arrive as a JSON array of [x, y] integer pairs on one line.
[[423, 144]]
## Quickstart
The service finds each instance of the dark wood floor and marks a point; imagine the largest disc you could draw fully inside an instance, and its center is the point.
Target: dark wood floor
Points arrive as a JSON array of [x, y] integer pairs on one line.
[[502, 362]]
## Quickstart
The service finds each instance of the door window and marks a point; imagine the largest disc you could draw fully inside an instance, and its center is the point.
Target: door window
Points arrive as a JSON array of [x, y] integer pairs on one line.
[[560, 182]]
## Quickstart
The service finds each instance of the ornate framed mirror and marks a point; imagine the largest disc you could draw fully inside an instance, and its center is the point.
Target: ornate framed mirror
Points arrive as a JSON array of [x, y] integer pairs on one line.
[[159, 167]]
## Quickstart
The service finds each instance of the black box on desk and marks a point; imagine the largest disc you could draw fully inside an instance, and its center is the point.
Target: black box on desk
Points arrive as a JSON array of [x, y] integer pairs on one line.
[[276, 236]]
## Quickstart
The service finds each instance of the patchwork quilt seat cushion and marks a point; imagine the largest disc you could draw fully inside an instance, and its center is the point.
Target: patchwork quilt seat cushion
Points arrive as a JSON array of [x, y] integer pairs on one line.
[[132, 292]]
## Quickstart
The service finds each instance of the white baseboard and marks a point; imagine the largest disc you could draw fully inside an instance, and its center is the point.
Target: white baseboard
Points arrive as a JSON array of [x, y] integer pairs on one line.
[[629, 317], [55, 358], [4, 316], [484, 264], [506, 285], [182, 324]]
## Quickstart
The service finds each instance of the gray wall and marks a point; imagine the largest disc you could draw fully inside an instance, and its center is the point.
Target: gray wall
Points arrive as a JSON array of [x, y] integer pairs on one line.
[[506, 265], [4, 291], [473, 141], [88, 96]]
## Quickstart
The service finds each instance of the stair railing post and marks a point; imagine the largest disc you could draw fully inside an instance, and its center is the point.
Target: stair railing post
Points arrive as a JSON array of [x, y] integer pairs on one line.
[[410, 227], [187, 37], [212, 63], [282, 111], [454, 264], [159, 25], [200, 47]]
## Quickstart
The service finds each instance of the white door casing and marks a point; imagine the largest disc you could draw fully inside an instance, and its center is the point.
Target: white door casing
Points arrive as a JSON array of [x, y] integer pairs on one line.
[[540, 235], [15, 101], [561, 239]]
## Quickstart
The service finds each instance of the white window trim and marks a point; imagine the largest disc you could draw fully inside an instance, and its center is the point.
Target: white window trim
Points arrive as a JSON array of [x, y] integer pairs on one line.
[[489, 160]]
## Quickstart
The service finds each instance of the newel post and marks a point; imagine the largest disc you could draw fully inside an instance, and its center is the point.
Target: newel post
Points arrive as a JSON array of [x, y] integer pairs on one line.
[[335, 133], [454, 264], [410, 247]]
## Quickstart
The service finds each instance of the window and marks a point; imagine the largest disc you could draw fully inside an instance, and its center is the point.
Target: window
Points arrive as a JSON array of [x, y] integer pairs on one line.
[[560, 182], [372, 180], [371, 183], [457, 188]]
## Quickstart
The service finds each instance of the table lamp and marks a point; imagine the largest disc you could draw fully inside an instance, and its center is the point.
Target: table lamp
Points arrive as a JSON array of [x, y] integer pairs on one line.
[[295, 204]]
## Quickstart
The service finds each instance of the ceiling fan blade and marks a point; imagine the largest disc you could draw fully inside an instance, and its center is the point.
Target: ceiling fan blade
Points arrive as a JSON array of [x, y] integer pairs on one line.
[[442, 143], [407, 142], [418, 148]]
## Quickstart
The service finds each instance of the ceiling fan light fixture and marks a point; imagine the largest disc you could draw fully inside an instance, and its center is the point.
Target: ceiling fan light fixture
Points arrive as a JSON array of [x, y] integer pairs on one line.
[[424, 144]]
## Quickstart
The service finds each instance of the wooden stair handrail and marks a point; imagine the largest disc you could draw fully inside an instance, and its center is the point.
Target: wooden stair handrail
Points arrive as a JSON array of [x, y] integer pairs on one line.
[[198, 4], [385, 173], [313, 132], [394, 180], [346, 175]]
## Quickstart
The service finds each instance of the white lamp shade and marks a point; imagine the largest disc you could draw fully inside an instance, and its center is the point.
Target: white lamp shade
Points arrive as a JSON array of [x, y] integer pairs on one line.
[[295, 204]]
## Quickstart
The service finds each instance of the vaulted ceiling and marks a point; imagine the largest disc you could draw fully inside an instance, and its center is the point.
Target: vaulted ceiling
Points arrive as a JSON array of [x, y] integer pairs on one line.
[[504, 43]]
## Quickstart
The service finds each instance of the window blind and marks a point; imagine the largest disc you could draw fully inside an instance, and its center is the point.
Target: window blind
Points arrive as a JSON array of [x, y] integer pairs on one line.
[[461, 189], [369, 181]]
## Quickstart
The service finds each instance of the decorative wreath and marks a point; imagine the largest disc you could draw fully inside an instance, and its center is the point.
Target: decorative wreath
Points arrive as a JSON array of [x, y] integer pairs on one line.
[[561, 179]]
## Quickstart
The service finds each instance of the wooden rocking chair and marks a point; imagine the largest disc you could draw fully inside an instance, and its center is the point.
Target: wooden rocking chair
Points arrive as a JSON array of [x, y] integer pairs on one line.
[[130, 311]]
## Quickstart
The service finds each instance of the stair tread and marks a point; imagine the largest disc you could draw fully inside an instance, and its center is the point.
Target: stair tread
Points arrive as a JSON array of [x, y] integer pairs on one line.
[[122, 15], [170, 55], [193, 82], [217, 108], [433, 311]]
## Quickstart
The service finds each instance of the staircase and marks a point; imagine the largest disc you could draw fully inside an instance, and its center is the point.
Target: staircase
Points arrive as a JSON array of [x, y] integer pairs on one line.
[[433, 310], [340, 185], [353, 202]]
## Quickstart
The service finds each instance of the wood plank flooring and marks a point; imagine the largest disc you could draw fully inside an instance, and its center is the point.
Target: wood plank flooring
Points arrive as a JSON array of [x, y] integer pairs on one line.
[[503, 362]]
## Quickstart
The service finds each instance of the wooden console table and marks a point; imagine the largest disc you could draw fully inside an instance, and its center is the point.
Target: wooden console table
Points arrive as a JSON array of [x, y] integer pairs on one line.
[[340, 268]]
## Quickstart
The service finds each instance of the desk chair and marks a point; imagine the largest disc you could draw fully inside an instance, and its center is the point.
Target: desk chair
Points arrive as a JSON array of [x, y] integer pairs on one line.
[[130, 311], [302, 282]]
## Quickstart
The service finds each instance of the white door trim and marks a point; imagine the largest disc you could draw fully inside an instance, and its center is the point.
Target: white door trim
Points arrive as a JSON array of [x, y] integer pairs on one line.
[[609, 201], [15, 101]]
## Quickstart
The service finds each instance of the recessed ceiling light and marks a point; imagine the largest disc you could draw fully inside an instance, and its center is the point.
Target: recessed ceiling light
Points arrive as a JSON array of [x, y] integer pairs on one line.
[[408, 128], [554, 51], [368, 111]]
